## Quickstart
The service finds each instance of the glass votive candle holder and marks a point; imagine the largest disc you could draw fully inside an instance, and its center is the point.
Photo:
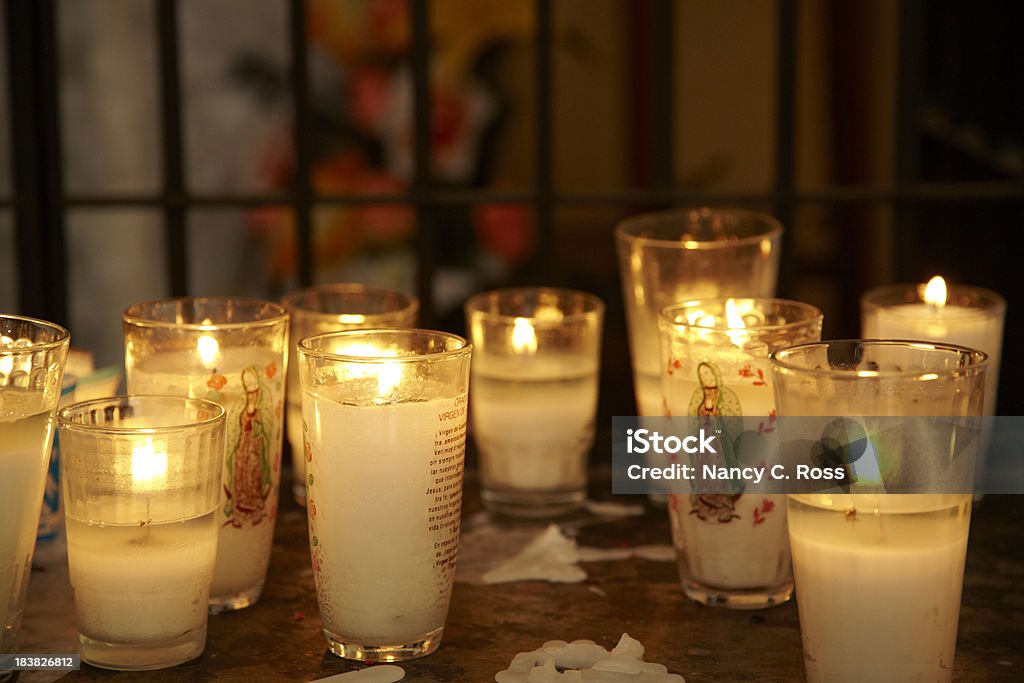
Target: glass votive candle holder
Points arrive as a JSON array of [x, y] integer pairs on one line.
[[732, 547], [668, 257], [232, 351], [32, 358], [333, 308], [879, 570], [955, 314], [385, 419], [141, 479], [537, 353]]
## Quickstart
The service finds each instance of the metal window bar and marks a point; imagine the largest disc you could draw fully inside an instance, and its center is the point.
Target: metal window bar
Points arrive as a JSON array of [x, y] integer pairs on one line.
[[35, 155], [423, 171], [41, 201], [175, 230], [302, 190], [543, 176], [785, 134]]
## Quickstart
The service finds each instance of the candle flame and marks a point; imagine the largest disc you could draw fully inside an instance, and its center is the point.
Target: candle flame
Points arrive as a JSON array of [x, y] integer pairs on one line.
[[524, 338], [734, 321], [149, 469], [389, 376], [351, 318], [935, 291], [209, 351]]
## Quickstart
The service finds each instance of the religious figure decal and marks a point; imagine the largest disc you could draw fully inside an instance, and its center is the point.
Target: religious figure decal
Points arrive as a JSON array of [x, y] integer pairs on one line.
[[711, 402], [248, 484]]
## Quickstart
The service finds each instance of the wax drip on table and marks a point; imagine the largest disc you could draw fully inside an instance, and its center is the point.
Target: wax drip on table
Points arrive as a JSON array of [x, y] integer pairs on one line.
[[584, 661]]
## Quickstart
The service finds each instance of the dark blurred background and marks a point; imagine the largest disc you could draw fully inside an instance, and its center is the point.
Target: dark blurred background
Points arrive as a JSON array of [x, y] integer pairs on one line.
[[167, 147]]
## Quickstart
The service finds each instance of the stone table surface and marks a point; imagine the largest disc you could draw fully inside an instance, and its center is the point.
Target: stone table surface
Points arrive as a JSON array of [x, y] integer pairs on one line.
[[280, 638]]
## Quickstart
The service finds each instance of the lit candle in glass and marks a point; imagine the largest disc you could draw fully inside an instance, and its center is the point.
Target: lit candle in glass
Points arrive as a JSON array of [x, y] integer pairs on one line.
[[954, 314], [32, 358], [680, 255], [333, 308], [878, 570], [141, 479], [534, 398], [732, 547], [234, 352], [385, 418]]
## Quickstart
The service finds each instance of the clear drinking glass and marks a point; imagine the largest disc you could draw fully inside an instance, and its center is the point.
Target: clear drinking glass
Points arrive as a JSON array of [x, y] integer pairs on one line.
[[878, 571], [333, 308], [32, 358], [537, 352], [385, 419], [235, 352], [733, 549], [141, 477], [669, 257]]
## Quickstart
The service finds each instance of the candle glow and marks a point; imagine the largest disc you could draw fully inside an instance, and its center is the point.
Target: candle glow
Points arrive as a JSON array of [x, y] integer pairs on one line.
[[209, 351], [389, 375], [935, 292], [524, 338], [735, 321], [149, 468]]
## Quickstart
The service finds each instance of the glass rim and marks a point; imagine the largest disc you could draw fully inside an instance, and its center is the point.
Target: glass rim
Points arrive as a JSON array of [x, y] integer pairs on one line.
[[875, 298], [306, 350], [64, 420], [410, 303], [131, 315], [63, 336], [625, 230], [778, 359], [593, 304], [816, 313]]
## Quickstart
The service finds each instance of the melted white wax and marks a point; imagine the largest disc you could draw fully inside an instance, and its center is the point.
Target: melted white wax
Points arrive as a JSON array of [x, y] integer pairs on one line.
[[584, 661]]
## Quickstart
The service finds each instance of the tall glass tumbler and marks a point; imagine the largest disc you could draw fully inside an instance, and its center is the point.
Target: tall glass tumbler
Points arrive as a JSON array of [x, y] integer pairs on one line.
[[333, 308], [536, 357], [879, 574], [235, 352], [681, 255], [141, 477], [733, 549], [32, 358], [385, 419]]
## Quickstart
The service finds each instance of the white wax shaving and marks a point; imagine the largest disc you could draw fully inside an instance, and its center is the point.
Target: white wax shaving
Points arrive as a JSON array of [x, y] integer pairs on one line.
[[552, 556], [584, 661], [387, 673], [548, 557]]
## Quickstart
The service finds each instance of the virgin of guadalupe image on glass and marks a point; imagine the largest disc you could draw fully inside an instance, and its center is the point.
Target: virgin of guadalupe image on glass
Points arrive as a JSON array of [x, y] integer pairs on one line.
[[249, 461]]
